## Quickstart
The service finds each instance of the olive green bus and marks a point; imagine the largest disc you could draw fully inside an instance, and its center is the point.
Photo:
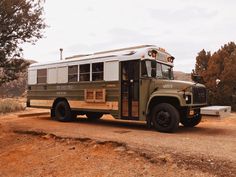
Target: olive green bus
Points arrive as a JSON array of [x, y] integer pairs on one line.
[[134, 83]]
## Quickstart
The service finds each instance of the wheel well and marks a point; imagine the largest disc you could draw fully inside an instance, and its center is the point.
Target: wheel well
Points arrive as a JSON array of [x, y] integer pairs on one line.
[[57, 100], [157, 100]]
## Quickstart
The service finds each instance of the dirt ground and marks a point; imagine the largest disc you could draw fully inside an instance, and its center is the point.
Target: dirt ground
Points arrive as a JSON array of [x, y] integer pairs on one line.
[[39, 146]]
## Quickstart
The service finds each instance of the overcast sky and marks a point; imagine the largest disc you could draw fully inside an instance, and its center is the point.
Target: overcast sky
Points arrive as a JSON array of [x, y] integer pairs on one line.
[[182, 27]]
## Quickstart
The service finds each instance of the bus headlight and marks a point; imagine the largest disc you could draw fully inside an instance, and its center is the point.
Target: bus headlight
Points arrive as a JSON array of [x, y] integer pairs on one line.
[[188, 99]]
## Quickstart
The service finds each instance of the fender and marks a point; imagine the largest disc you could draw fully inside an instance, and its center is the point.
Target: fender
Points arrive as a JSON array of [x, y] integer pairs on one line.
[[155, 95]]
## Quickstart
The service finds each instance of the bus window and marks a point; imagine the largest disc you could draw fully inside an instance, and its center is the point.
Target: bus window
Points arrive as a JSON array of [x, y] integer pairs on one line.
[[158, 71], [41, 76], [73, 73], [97, 71], [148, 68], [167, 72], [125, 69], [151, 68], [143, 69], [84, 72], [135, 72]]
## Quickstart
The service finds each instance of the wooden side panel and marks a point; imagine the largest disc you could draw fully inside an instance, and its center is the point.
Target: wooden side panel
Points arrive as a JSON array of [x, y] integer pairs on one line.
[[89, 95], [95, 95], [110, 105], [100, 95], [125, 107], [135, 108], [104, 96], [41, 103]]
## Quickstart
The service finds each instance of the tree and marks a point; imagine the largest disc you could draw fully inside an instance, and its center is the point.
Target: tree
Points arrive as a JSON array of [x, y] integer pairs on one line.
[[202, 61], [20, 21], [17, 86], [221, 65], [201, 64], [12, 69]]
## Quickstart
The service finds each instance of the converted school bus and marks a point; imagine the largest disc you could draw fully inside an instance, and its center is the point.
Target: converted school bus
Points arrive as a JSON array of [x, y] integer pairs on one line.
[[135, 83]]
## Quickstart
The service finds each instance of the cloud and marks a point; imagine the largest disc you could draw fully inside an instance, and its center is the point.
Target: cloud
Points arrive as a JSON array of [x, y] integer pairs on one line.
[[123, 37], [183, 15], [183, 27], [123, 34]]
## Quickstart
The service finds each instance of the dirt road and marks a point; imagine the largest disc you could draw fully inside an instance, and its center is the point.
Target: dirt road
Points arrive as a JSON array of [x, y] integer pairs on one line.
[[39, 146]]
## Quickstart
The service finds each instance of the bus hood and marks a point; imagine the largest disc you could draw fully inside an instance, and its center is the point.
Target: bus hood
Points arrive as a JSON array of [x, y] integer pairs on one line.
[[177, 85]]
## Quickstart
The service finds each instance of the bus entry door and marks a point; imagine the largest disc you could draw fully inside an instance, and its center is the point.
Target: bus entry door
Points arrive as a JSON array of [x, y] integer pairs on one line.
[[130, 89]]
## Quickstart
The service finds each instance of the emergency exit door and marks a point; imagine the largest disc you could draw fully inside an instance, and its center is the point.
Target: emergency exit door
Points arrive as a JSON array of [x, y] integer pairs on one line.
[[130, 89]]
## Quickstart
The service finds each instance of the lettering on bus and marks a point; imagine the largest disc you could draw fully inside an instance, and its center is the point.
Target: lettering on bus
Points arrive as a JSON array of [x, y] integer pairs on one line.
[[61, 93], [64, 87]]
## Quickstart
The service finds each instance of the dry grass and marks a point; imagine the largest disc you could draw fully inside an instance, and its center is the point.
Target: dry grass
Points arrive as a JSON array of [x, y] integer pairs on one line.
[[10, 105]]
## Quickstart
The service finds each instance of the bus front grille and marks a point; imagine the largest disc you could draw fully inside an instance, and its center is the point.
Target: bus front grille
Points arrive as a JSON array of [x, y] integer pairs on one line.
[[199, 95]]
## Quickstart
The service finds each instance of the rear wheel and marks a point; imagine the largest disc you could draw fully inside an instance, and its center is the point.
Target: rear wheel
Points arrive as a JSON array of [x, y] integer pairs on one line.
[[165, 117], [94, 115], [63, 112]]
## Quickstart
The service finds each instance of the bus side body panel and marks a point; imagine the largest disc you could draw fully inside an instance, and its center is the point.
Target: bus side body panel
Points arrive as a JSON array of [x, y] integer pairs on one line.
[[97, 96]]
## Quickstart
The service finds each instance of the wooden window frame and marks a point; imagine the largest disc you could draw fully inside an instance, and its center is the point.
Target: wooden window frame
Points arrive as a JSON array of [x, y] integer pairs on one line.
[[90, 95]]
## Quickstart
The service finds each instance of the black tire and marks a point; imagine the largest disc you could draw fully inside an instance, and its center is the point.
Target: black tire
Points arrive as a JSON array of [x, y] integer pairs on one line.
[[53, 114], [94, 115], [191, 122], [63, 112], [165, 118]]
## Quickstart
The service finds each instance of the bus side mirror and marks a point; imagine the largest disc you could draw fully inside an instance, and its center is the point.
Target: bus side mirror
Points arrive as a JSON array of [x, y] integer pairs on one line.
[[197, 78], [217, 81]]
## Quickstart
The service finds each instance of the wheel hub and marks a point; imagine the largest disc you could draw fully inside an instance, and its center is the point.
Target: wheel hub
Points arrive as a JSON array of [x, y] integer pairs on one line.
[[62, 111], [163, 118]]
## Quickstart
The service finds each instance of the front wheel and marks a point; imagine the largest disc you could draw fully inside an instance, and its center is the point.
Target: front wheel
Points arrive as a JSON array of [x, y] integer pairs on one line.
[[191, 122], [165, 118]]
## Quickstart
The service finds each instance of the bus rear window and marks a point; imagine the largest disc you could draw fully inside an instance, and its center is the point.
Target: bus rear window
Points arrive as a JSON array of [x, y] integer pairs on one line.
[[42, 76]]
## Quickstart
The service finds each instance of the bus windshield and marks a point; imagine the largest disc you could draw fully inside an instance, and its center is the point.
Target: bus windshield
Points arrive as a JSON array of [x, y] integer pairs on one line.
[[151, 68]]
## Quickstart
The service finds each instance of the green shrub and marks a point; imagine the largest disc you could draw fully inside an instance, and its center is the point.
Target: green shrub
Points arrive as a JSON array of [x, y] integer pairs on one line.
[[10, 105]]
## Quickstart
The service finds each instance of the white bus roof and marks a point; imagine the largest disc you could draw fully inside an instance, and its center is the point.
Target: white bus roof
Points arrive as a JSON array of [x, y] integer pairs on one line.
[[130, 53]]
